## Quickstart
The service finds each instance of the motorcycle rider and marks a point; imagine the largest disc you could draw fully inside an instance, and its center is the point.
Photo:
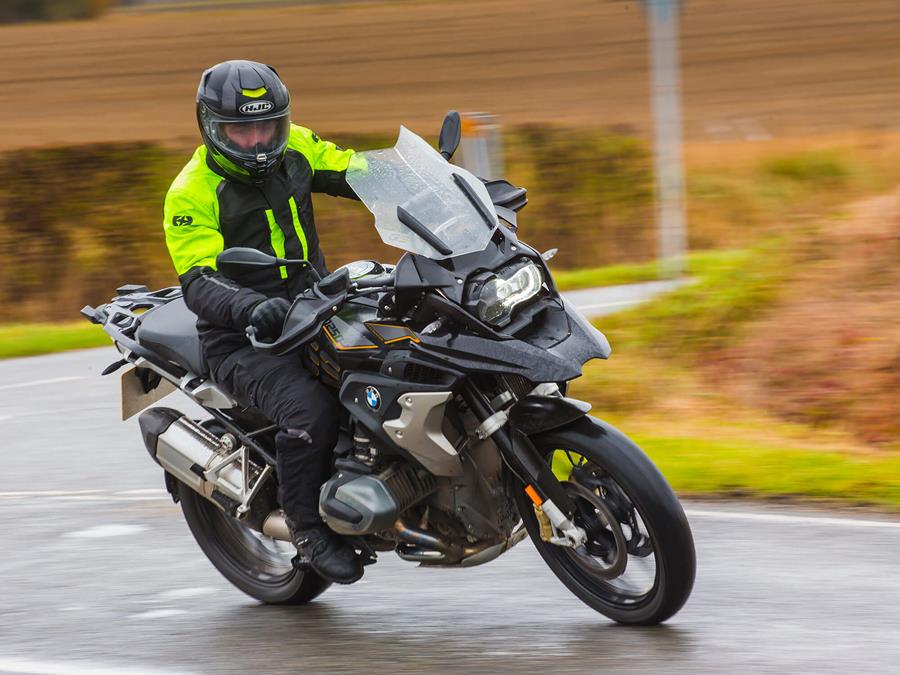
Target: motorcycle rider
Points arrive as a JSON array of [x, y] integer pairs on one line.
[[249, 184]]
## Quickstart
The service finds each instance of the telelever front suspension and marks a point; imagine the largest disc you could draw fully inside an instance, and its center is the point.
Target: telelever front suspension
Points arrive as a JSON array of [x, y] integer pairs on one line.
[[523, 458]]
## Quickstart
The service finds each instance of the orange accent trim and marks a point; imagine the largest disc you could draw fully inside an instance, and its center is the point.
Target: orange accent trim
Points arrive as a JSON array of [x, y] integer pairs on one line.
[[412, 338], [343, 347], [411, 335], [532, 493]]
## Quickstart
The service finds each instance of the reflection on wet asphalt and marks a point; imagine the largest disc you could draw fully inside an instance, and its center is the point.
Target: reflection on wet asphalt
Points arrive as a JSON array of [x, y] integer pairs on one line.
[[769, 597], [99, 574]]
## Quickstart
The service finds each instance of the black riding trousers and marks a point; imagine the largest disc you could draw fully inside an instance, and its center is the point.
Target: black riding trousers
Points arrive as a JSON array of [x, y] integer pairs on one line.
[[306, 412]]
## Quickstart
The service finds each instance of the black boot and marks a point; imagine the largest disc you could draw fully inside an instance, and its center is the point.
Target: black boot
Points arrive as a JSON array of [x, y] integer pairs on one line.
[[329, 555]]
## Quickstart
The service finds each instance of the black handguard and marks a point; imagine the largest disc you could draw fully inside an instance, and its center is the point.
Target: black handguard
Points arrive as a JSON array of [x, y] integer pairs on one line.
[[267, 318], [306, 316]]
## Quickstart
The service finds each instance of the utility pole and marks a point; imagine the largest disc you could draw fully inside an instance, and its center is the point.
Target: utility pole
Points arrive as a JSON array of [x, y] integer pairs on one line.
[[663, 17], [481, 146]]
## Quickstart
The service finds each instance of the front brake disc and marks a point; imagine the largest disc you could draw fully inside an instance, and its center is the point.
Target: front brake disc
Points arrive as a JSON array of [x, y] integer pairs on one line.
[[601, 566]]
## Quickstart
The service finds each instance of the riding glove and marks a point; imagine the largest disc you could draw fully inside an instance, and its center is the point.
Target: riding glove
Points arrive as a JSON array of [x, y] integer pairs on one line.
[[267, 318]]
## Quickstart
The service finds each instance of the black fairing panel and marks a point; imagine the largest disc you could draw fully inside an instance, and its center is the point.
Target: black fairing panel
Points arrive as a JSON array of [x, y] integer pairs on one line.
[[536, 362], [589, 342], [415, 273], [548, 341]]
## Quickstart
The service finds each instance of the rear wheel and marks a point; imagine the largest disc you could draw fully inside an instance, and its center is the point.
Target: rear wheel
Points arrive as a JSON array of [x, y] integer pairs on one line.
[[638, 563], [258, 565]]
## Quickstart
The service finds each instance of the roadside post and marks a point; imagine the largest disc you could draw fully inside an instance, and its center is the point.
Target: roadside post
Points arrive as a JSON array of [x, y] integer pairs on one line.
[[662, 18], [481, 146]]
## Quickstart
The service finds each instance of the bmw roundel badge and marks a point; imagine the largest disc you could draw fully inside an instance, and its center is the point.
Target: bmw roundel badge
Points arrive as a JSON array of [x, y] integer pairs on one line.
[[373, 398]]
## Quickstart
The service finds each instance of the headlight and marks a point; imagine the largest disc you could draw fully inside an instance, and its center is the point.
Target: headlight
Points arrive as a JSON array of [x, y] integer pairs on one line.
[[500, 296]]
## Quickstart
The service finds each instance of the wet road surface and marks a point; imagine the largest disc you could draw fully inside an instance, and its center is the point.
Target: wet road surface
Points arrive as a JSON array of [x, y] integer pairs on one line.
[[111, 581], [99, 574]]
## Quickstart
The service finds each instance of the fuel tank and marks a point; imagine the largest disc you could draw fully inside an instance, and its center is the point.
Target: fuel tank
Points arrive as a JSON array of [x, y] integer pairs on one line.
[[356, 333]]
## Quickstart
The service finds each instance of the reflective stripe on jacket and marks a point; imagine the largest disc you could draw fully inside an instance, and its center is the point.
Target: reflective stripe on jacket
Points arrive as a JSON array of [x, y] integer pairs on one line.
[[206, 213]]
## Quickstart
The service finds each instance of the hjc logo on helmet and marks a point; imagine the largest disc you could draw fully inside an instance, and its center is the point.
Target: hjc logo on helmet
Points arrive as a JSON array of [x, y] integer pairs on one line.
[[256, 107]]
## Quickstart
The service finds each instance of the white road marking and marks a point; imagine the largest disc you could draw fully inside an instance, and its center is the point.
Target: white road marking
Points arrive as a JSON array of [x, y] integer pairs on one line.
[[785, 519], [158, 614], [49, 493], [37, 383], [154, 494], [144, 495], [103, 498], [84, 496], [184, 593], [75, 668], [103, 531]]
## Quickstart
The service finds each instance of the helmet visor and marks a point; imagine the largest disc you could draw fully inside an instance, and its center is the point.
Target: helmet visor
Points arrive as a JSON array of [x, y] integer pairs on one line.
[[246, 139]]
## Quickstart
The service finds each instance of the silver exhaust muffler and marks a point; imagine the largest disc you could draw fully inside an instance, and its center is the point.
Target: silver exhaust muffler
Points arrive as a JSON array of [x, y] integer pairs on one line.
[[201, 460]]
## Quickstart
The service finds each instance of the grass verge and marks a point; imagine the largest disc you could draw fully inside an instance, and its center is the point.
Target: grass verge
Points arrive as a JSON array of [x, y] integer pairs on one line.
[[612, 275], [729, 467], [656, 381], [32, 339], [740, 468], [696, 263]]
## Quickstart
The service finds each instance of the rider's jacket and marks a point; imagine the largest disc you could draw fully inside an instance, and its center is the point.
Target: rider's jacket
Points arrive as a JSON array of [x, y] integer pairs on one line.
[[205, 213]]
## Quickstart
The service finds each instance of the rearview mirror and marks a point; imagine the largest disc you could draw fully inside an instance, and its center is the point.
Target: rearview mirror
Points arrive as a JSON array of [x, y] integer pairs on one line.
[[233, 262], [238, 259], [451, 132]]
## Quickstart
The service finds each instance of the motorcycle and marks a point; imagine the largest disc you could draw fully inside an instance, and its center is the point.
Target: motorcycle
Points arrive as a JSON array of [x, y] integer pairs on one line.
[[457, 440]]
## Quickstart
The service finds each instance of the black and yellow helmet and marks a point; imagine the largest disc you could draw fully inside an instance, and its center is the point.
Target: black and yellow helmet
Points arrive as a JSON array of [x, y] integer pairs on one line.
[[244, 112]]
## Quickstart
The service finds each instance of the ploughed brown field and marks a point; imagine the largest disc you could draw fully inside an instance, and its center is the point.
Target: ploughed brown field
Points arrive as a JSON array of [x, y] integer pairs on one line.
[[753, 69]]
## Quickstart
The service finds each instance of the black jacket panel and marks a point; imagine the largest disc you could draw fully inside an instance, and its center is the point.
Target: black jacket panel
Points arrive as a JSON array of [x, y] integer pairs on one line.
[[207, 213]]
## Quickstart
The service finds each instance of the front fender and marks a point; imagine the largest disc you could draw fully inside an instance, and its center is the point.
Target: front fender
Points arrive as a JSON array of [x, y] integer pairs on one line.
[[536, 414]]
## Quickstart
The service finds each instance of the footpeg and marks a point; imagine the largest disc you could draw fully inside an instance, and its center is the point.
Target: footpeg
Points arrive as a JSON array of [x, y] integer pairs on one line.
[[301, 563]]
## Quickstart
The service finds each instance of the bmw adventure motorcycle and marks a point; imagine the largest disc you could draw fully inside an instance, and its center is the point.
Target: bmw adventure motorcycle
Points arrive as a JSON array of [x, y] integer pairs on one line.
[[457, 438]]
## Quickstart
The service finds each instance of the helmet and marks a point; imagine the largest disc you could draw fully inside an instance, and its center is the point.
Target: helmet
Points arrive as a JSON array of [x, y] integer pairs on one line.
[[244, 113]]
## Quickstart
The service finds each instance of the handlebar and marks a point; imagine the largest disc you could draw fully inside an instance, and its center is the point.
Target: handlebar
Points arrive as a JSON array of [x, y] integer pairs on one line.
[[375, 281], [312, 308]]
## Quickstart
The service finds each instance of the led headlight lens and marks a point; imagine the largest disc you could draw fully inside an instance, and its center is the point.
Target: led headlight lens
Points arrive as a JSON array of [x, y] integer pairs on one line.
[[500, 296]]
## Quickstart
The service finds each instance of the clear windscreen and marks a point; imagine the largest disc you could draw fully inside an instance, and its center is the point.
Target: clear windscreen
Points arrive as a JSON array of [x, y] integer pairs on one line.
[[249, 138], [448, 202]]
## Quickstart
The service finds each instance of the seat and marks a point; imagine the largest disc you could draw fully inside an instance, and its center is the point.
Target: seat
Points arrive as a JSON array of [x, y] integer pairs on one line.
[[170, 330]]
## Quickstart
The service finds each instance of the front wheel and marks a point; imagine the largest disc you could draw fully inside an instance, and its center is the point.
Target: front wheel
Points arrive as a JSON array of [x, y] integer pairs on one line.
[[637, 565]]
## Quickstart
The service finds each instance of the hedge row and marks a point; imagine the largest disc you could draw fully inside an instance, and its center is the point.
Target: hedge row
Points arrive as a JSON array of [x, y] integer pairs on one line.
[[76, 222], [12, 11]]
